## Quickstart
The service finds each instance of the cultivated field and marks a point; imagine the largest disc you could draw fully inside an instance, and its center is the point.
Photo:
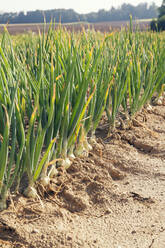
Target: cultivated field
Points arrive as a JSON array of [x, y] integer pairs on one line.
[[103, 27], [82, 139]]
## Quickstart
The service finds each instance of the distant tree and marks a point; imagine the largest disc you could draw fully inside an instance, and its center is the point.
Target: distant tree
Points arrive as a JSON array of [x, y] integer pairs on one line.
[[141, 11], [159, 24], [162, 9]]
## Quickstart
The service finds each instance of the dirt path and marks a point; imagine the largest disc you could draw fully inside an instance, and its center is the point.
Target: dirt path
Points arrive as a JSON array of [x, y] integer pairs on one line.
[[115, 198]]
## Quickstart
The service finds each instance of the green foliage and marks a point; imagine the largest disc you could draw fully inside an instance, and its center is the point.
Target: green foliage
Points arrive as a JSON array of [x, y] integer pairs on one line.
[[154, 25], [162, 9], [159, 24]]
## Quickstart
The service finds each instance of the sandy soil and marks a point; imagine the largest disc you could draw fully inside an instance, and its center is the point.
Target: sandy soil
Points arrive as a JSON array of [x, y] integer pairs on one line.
[[115, 198]]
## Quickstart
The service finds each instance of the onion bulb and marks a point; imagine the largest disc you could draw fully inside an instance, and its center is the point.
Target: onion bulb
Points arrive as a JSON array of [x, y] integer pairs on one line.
[[30, 192], [94, 143], [70, 153], [80, 151], [53, 172], [87, 146], [45, 180], [149, 107], [3, 204], [65, 163], [71, 156]]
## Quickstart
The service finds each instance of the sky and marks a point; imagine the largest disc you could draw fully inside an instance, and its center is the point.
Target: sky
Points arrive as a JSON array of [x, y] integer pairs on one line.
[[81, 6]]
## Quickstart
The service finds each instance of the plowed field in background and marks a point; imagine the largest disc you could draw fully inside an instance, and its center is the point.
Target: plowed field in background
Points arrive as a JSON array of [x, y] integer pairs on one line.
[[103, 27]]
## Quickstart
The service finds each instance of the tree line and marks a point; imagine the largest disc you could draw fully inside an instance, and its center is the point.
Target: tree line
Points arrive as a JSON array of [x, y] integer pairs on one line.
[[159, 24], [141, 11]]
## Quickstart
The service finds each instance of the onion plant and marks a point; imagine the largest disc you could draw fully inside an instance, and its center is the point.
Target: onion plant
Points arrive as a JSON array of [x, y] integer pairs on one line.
[[10, 143]]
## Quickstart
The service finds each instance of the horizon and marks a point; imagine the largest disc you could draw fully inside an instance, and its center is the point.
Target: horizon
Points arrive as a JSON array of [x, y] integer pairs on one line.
[[81, 7]]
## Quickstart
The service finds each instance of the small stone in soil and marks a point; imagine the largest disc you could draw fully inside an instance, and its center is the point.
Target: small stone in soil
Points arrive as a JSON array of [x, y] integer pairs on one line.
[[35, 231], [69, 238]]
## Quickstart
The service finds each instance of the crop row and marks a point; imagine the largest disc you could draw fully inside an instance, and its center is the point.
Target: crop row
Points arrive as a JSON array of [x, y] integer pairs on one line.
[[54, 88]]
